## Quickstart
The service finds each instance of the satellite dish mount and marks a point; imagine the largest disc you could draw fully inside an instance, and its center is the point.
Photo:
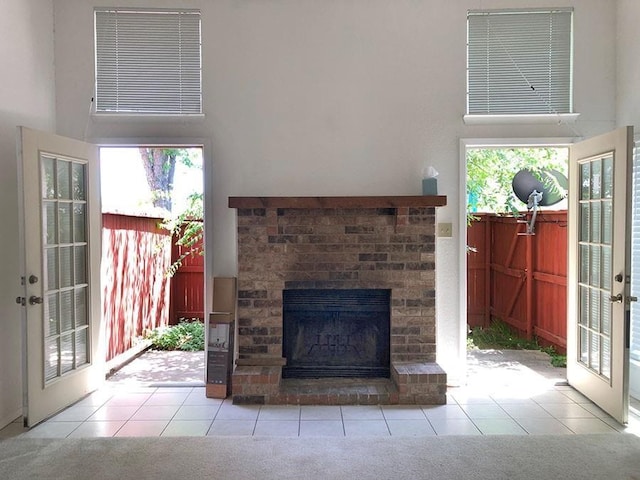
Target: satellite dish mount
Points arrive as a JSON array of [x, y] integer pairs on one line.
[[532, 204], [539, 193]]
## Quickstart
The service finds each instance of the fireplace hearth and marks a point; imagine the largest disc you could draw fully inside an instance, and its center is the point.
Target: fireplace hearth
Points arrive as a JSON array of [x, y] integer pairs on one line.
[[297, 258], [336, 333]]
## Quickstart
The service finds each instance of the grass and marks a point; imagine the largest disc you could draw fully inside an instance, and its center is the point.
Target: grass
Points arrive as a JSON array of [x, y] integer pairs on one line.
[[500, 335], [186, 336], [557, 359]]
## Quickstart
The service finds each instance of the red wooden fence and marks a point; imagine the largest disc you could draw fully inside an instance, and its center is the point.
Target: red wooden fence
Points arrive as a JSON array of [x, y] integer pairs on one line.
[[187, 286], [519, 279], [136, 255]]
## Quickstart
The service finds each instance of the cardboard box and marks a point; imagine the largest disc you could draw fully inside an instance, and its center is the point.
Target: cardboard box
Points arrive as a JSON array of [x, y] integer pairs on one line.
[[220, 338]]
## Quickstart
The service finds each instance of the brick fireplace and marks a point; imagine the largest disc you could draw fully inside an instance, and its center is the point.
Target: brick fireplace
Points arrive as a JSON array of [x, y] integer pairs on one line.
[[335, 244]]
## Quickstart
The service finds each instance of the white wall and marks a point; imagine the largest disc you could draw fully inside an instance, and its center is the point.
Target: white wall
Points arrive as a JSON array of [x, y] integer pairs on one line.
[[26, 98], [344, 97], [628, 61]]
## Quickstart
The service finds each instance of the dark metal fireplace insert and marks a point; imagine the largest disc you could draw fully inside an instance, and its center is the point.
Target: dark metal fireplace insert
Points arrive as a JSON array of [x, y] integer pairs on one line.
[[336, 333]]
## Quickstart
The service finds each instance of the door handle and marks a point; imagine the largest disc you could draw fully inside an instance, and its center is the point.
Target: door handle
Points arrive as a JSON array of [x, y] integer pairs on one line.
[[33, 300], [618, 299], [615, 298]]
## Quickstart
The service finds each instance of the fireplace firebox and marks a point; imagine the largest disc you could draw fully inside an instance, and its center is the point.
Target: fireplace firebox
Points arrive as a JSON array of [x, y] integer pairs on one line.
[[336, 333]]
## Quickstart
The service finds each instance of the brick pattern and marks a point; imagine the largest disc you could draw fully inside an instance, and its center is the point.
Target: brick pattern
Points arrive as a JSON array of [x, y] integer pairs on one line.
[[332, 248], [255, 384], [298, 248], [420, 383]]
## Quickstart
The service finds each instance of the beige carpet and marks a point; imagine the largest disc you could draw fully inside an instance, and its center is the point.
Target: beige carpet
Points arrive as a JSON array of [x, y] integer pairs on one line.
[[609, 456]]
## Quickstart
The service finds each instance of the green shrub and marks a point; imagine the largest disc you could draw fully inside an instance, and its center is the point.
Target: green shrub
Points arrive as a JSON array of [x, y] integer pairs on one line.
[[187, 336], [557, 359]]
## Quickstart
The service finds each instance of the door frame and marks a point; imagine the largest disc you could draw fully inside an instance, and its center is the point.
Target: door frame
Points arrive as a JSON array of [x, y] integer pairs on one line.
[[634, 365], [207, 184], [465, 144]]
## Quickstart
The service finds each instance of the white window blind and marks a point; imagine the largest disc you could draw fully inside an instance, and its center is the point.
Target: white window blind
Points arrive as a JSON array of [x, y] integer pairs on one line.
[[519, 62], [148, 62], [635, 256]]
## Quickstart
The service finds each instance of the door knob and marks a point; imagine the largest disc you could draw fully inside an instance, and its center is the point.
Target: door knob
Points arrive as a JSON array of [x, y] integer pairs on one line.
[[616, 298], [33, 279], [33, 300]]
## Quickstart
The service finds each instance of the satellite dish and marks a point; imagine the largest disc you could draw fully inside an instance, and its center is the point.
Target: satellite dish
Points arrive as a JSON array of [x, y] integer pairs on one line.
[[540, 189], [551, 183]]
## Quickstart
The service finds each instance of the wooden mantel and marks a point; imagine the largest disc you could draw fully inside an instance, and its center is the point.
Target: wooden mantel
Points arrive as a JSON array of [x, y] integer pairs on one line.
[[339, 202]]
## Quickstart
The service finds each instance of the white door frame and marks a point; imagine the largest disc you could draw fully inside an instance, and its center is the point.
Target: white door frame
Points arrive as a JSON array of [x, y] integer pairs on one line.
[[207, 185], [634, 365], [465, 144]]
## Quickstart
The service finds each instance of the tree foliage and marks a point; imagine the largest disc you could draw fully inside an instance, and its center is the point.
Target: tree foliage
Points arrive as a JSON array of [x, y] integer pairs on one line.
[[187, 228], [491, 170]]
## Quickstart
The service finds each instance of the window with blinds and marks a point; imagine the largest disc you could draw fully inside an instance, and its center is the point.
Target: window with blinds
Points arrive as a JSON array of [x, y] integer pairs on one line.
[[148, 61], [635, 256], [519, 62]]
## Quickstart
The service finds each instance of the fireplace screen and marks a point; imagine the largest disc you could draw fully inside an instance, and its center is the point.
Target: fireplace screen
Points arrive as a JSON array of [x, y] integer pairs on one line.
[[336, 333]]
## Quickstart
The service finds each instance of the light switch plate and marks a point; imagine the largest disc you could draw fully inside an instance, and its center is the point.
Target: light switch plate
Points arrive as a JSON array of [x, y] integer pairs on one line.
[[445, 230]]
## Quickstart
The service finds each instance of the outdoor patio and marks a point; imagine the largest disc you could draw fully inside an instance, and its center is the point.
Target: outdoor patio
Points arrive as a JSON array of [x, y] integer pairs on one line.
[[162, 368]]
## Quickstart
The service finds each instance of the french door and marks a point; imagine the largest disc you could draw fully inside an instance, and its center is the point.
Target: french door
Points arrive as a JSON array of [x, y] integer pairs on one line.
[[60, 232], [600, 173]]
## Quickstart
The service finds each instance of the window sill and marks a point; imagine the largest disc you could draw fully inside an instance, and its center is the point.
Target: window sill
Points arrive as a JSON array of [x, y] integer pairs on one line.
[[559, 119], [148, 117]]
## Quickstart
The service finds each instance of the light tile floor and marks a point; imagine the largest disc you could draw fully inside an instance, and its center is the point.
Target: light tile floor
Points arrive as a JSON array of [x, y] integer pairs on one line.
[[507, 393], [118, 411]]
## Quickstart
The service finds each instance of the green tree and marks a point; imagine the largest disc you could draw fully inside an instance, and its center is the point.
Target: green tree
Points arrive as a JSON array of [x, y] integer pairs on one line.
[[187, 228], [160, 168], [491, 170]]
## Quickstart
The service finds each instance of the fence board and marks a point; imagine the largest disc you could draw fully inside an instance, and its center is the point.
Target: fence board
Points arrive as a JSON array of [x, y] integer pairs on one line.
[[187, 286], [519, 279], [478, 273], [136, 255]]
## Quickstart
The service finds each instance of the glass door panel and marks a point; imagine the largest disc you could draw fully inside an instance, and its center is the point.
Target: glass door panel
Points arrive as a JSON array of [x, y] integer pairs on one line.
[[65, 252], [594, 239]]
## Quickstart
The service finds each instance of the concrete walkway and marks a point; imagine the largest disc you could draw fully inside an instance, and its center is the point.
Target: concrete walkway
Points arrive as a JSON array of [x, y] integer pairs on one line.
[[518, 369], [162, 368], [485, 368]]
